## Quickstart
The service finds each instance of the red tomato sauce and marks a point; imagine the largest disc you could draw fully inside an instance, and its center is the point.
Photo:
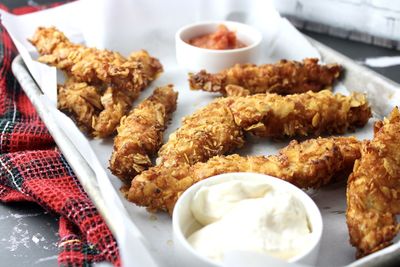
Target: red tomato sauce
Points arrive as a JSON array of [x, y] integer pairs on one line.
[[222, 39]]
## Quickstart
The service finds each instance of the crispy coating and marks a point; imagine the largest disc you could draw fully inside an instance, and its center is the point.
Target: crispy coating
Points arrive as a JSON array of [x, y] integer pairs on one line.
[[218, 129], [95, 112], [140, 133], [236, 90], [150, 65], [373, 189], [115, 104], [95, 66], [272, 115], [208, 132], [283, 77], [118, 80], [80, 100], [309, 164]]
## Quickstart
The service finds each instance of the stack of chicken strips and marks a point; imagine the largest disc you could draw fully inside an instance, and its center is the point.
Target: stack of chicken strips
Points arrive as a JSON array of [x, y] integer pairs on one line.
[[284, 100]]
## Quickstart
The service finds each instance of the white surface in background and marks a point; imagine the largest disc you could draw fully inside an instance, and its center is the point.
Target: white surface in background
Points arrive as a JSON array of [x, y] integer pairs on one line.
[[375, 17], [128, 25], [382, 62]]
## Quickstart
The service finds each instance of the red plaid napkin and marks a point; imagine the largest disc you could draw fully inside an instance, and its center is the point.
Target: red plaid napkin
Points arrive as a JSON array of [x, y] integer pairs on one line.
[[33, 169]]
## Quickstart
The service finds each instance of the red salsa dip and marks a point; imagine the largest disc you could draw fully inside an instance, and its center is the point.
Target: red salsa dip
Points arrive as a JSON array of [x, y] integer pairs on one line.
[[222, 39]]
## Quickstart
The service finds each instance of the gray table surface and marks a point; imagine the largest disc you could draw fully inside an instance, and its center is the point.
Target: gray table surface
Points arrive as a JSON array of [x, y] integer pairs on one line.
[[29, 235]]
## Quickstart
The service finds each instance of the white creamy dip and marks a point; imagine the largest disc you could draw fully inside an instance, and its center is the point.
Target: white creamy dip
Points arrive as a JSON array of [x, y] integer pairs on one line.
[[249, 216]]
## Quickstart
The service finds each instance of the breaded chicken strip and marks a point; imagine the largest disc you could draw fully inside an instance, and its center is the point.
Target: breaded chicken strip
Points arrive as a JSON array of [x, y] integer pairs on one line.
[[272, 115], [309, 164], [96, 66], [140, 133], [373, 189], [116, 79], [283, 77], [218, 128]]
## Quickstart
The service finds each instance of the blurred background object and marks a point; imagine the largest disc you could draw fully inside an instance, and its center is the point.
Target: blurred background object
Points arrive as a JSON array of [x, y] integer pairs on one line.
[[374, 22]]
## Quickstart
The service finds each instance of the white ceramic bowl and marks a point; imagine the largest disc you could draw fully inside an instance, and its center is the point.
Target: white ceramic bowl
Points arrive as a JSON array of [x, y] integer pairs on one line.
[[194, 59], [183, 221]]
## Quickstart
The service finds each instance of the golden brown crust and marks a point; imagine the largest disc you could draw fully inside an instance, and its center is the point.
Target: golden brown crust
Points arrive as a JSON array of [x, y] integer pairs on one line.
[[373, 189], [272, 115], [309, 164], [236, 90], [118, 80], [115, 105], [284, 77], [80, 100], [208, 132], [218, 129], [95, 66], [96, 112], [140, 133]]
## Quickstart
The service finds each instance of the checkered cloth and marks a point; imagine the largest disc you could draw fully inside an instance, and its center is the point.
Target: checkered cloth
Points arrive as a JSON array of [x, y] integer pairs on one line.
[[33, 169]]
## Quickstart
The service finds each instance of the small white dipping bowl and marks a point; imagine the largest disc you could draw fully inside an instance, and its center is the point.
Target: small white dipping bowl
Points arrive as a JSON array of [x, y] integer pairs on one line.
[[184, 224], [194, 59]]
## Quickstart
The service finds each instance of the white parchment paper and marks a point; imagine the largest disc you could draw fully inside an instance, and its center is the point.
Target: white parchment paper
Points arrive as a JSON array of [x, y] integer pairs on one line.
[[127, 25]]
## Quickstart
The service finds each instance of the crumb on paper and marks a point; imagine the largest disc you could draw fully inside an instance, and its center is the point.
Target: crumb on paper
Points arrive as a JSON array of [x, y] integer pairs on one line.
[[36, 238], [19, 237], [153, 217]]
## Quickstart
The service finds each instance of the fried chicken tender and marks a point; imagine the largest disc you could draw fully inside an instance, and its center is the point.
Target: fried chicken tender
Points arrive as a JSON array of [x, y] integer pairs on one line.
[[95, 66], [373, 189], [309, 164], [118, 80], [272, 115], [140, 133], [218, 128], [283, 77]]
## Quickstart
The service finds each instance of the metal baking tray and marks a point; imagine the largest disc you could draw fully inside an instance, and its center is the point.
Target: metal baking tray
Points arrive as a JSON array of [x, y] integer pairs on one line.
[[356, 78]]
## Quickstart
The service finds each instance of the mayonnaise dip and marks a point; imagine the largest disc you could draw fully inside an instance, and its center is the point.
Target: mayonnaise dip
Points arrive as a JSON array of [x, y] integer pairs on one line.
[[249, 216]]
